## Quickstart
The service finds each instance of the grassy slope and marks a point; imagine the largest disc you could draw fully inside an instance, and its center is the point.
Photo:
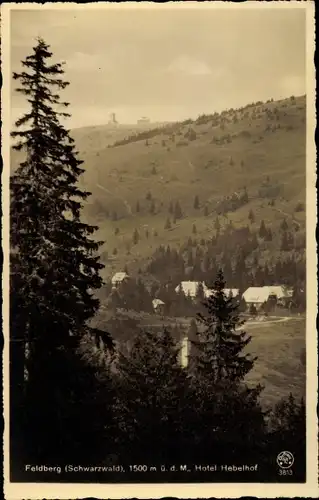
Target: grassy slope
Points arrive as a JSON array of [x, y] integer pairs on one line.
[[119, 177], [95, 138], [278, 368]]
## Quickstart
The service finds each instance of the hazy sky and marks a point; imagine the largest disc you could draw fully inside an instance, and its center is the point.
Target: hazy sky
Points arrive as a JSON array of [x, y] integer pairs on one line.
[[167, 64]]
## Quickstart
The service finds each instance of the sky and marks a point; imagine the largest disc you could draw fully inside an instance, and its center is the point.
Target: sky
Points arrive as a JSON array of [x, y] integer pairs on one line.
[[169, 64]]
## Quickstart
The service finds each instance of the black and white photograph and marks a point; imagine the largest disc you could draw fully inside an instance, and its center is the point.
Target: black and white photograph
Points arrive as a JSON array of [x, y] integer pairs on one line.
[[159, 220]]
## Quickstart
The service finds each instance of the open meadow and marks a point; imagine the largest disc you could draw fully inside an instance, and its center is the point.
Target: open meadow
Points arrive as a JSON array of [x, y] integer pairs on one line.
[[280, 348]]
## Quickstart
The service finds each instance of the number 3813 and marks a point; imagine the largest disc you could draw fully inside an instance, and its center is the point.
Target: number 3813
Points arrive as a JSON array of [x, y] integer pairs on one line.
[[283, 472]]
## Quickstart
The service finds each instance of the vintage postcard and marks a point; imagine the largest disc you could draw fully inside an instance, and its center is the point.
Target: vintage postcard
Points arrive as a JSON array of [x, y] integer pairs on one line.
[[159, 283]]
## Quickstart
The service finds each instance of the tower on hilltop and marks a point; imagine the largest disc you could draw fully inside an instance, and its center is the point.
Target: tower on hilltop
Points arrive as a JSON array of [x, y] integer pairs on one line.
[[112, 120]]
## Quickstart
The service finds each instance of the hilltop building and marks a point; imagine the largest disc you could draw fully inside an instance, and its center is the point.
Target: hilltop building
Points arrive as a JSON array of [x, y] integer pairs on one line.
[[112, 120], [143, 121]]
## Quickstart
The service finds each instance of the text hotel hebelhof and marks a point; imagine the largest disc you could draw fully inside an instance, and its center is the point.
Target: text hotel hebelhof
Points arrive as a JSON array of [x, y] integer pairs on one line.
[[143, 468]]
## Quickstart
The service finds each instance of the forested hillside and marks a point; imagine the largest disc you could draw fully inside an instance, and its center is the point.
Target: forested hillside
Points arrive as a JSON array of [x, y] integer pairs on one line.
[[242, 168]]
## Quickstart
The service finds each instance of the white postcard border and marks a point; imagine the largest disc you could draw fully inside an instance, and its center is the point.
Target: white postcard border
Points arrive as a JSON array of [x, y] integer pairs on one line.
[[159, 490]]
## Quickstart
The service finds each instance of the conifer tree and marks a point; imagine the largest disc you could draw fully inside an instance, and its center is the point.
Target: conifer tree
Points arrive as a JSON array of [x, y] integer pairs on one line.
[[178, 214], [136, 237], [220, 343], [285, 244], [196, 202], [244, 197], [152, 207], [228, 412], [251, 216], [54, 270], [168, 224], [263, 233], [269, 235]]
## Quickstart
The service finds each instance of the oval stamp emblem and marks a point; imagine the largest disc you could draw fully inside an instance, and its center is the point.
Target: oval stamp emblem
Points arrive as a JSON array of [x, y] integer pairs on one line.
[[285, 459]]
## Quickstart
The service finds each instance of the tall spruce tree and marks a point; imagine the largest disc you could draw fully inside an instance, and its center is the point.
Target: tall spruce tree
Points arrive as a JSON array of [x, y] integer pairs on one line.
[[196, 202], [263, 230], [54, 269], [228, 412], [220, 345]]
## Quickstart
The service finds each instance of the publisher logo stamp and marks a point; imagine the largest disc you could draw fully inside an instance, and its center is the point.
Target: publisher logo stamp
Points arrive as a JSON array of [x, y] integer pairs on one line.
[[285, 459]]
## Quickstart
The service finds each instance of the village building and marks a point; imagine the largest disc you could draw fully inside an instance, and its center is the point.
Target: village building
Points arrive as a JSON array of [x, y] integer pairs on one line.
[[190, 288], [158, 306], [257, 296], [119, 278], [283, 293]]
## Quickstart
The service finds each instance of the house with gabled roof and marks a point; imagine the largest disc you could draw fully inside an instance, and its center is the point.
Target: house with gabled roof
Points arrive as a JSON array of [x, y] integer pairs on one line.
[[256, 296], [259, 295], [190, 288], [158, 306], [119, 278]]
